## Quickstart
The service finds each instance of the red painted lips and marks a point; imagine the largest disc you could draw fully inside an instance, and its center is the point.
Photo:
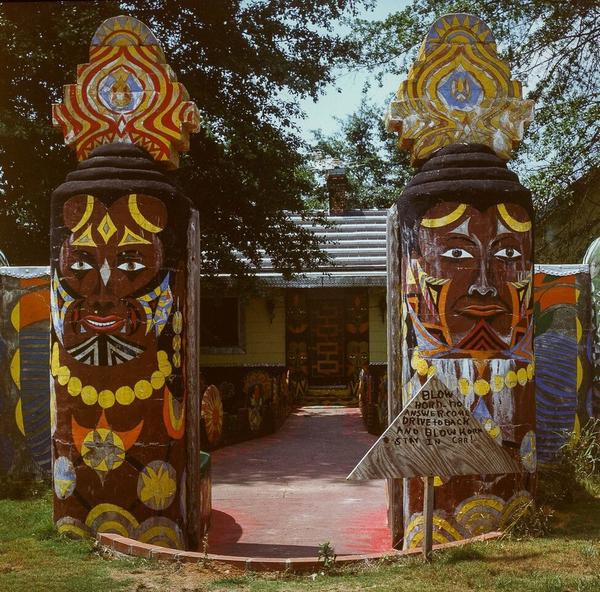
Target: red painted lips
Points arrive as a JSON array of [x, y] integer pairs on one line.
[[483, 310], [106, 324]]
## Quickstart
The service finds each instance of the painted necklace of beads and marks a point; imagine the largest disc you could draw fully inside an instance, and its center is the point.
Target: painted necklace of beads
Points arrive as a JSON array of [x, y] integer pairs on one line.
[[480, 386], [124, 395]]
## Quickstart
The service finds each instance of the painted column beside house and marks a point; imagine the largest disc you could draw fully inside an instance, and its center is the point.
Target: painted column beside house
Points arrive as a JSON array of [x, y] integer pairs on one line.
[[465, 268], [563, 354], [592, 258], [24, 386], [123, 270]]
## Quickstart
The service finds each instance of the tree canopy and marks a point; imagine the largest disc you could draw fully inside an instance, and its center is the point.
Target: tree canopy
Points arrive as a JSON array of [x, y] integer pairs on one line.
[[245, 63], [551, 46]]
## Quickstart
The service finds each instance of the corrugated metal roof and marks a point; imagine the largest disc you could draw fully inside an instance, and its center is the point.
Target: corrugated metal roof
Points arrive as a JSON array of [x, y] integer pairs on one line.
[[561, 269], [355, 244], [23, 272], [319, 279]]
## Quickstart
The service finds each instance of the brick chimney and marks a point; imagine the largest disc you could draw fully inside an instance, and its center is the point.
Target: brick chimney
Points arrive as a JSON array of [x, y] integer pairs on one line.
[[337, 186]]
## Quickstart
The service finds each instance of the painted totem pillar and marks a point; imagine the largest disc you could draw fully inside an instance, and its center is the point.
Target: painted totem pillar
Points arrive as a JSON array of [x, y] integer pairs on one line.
[[24, 386], [465, 257], [592, 258], [126, 456], [563, 356]]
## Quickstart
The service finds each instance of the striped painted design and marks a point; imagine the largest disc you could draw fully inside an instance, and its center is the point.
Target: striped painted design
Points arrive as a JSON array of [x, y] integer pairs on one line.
[[34, 347], [556, 392]]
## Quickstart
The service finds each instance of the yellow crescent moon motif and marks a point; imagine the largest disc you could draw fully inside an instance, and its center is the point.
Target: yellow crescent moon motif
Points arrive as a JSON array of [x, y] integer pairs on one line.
[[89, 208], [139, 217], [511, 222], [444, 220]]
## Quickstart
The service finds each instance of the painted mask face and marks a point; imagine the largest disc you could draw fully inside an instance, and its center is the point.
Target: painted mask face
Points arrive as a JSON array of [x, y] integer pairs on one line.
[[472, 271], [109, 298]]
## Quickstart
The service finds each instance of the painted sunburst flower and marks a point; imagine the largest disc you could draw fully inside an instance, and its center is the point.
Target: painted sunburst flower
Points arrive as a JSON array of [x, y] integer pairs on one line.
[[157, 485], [212, 413]]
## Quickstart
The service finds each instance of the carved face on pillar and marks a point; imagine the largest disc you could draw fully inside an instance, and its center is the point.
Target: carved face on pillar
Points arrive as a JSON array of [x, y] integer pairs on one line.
[[113, 304], [117, 293], [470, 272], [111, 300], [121, 238]]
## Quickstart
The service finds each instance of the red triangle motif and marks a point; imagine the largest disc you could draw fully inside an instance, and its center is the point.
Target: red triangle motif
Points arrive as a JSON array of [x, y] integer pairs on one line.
[[482, 338]]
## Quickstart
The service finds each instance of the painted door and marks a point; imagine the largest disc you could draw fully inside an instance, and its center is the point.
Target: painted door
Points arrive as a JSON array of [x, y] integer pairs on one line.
[[327, 340]]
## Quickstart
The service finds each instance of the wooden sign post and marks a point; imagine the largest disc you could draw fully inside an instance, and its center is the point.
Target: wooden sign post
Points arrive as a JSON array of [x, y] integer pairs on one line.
[[434, 435], [428, 517]]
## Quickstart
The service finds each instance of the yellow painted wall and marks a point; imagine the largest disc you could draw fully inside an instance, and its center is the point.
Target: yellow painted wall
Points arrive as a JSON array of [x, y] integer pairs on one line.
[[264, 341], [377, 327]]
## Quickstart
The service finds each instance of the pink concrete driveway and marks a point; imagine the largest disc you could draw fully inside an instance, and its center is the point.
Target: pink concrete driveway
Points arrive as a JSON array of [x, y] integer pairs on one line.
[[284, 494]]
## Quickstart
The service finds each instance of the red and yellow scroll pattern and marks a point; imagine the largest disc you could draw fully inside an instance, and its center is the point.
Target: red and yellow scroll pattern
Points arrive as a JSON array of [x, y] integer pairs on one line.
[[127, 93]]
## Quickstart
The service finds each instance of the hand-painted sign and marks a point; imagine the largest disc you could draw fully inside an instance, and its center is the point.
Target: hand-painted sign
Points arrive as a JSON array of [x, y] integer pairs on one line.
[[435, 434]]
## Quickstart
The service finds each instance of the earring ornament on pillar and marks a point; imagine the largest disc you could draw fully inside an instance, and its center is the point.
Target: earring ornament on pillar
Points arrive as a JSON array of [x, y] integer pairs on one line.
[[177, 329]]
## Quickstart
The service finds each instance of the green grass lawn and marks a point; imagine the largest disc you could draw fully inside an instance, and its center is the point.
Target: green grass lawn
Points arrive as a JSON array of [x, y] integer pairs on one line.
[[34, 558]]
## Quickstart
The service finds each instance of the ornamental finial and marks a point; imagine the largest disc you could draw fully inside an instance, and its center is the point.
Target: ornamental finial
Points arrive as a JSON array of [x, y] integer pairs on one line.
[[458, 91], [127, 93]]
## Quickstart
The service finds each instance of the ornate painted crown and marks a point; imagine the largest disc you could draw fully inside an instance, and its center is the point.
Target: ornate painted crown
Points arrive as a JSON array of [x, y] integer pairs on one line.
[[128, 94], [458, 91]]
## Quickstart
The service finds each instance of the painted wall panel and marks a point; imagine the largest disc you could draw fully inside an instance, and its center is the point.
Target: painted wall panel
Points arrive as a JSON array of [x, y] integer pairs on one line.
[[24, 373], [263, 336], [377, 326], [563, 346]]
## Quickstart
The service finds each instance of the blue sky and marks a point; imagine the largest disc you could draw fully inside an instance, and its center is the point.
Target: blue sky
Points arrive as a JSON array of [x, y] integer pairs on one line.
[[322, 114]]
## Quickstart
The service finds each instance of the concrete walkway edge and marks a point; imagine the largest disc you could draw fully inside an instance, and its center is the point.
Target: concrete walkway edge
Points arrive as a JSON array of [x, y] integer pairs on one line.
[[125, 546]]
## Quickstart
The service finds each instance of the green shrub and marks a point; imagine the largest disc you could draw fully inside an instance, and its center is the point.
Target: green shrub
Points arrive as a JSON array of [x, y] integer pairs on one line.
[[583, 454], [25, 487], [531, 520], [578, 467], [556, 485], [327, 555]]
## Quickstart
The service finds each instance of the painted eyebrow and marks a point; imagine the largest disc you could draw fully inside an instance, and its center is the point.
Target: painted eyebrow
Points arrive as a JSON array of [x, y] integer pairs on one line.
[[503, 237], [460, 236], [83, 254], [130, 253]]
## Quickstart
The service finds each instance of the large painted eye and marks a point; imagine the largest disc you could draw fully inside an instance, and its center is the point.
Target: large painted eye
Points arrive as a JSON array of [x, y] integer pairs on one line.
[[457, 254], [80, 266], [131, 266], [508, 253]]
